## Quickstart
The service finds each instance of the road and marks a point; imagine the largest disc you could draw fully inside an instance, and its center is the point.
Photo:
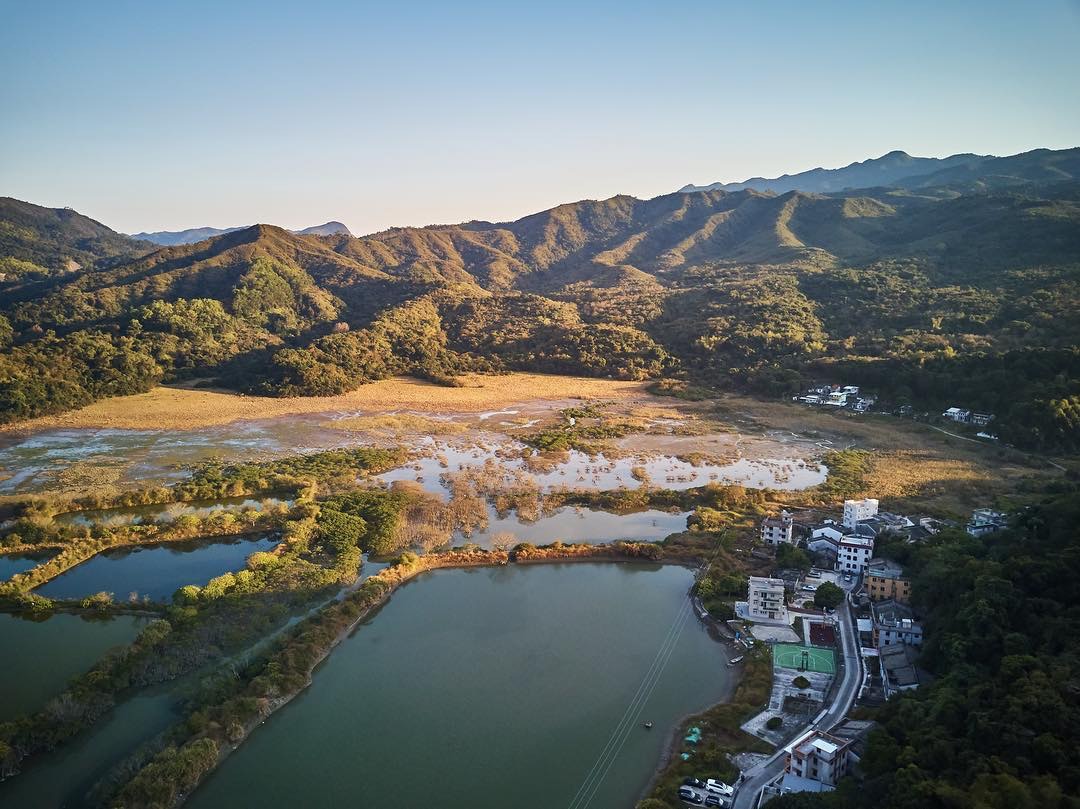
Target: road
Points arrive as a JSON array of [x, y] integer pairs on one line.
[[757, 777]]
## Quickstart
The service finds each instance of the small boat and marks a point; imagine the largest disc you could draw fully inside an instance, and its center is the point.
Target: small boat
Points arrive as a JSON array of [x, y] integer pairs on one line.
[[735, 660], [647, 726]]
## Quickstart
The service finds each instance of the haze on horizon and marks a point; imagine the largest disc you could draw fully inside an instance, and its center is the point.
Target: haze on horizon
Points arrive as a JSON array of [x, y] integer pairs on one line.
[[169, 117]]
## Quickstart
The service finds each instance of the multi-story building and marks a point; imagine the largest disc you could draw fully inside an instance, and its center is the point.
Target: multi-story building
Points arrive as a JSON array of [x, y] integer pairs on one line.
[[895, 623], [853, 554], [856, 510], [885, 579], [819, 757], [985, 521], [897, 665], [775, 530], [765, 599]]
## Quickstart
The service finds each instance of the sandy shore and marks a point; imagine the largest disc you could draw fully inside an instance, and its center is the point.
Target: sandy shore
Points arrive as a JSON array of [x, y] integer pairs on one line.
[[180, 408]]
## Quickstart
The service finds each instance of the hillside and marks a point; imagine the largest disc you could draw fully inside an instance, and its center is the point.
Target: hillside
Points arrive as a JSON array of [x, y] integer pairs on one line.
[[928, 296], [36, 242], [961, 172]]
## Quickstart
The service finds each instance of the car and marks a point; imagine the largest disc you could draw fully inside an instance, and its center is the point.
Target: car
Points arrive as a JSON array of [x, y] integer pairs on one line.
[[694, 782], [719, 788], [806, 588], [714, 800], [688, 795]]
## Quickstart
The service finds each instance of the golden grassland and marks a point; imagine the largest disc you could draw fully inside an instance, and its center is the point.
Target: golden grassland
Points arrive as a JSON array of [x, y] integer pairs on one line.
[[398, 424], [181, 408]]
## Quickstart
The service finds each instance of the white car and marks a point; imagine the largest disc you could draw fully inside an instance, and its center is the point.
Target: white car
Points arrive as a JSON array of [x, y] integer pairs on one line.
[[719, 787]]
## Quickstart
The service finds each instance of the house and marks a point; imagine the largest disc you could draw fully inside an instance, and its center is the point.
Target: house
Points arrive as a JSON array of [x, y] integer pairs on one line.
[[828, 530], [894, 623], [986, 521], [856, 510], [836, 399], [775, 530], [958, 415], [765, 599], [854, 553], [819, 758], [885, 580], [981, 419], [898, 672]]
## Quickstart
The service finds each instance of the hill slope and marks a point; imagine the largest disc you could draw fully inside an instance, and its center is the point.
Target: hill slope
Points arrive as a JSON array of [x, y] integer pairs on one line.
[[172, 238], [930, 296]]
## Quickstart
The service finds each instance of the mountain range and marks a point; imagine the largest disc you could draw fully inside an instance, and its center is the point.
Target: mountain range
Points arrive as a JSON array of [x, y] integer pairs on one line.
[[171, 238], [966, 292], [965, 172]]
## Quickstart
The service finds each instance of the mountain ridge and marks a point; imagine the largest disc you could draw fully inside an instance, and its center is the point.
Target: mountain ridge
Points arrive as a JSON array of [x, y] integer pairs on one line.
[[171, 238]]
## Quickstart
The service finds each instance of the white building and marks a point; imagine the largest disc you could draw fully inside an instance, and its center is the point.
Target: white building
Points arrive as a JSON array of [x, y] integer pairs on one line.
[[765, 599], [775, 530], [854, 554], [855, 510], [986, 521], [958, 414]]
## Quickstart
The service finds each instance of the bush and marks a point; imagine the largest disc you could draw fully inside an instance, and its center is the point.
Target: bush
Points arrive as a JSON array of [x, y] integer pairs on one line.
[[800, 682], [775, 722]]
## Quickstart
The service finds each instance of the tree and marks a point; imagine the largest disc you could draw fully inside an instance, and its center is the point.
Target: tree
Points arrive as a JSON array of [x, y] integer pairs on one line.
[[828, 595]]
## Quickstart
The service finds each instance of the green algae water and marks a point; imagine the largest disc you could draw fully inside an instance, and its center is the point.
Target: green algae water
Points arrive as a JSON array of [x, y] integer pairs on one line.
[[485, 688]]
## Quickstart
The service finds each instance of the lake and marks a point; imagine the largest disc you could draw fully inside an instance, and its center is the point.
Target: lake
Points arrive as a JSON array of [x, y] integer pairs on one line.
[[155, 571], [487, 688]]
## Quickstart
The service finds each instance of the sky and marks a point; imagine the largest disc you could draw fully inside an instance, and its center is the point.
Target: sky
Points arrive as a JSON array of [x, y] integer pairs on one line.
[[170, 115]]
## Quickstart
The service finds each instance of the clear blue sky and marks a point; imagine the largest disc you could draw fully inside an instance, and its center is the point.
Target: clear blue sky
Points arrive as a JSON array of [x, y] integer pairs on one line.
[[167, 115]]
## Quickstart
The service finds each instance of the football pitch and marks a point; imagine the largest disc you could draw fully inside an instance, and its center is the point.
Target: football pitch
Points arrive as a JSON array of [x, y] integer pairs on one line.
[[804, 658]]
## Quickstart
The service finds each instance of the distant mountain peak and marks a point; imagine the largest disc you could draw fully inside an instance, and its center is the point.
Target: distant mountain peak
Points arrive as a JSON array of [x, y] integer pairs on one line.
[[171, 238]]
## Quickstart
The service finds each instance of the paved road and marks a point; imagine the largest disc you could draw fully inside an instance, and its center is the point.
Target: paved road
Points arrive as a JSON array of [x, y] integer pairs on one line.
[[757, 777]]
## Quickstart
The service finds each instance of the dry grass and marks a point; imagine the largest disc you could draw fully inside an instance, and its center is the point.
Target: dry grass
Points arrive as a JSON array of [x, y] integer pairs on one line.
[[398, 424], [185, 408]]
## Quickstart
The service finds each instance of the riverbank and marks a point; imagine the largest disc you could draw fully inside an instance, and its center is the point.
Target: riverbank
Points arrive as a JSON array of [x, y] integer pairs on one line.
[[186, 408]]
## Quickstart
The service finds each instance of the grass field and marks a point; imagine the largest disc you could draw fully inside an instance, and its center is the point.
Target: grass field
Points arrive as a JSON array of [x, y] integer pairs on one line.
[[808, 658]]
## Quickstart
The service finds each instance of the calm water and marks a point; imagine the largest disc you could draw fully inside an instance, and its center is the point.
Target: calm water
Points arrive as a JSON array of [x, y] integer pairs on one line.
[[484, 688], [41, 657], [156, 571], [12, 563], [62, 777], [580, 525], [165, 511]]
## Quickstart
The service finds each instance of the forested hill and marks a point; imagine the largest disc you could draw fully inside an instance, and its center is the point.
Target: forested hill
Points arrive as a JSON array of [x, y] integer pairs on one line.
[[929, 295]]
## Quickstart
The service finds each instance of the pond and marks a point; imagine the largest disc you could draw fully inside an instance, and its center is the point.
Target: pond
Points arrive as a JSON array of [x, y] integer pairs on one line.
[[12, 563], [488, 688], [40, 656], [571, 525], [155, 571]]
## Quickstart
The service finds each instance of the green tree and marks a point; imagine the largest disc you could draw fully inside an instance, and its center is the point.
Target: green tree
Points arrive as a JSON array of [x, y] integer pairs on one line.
[[828, 595]]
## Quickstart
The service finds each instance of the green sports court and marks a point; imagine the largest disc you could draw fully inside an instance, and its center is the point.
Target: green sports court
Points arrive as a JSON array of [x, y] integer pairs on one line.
[[804, 658]]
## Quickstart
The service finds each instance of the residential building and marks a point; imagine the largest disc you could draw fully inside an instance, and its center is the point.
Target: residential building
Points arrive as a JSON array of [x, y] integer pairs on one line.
[[894, 623], [981, 419], [819, 757], [958, 414], [827, 530], [765, 599], [856, 510], [854, 553], [775, 530], [897, 665], [885, 580], [986, 521]]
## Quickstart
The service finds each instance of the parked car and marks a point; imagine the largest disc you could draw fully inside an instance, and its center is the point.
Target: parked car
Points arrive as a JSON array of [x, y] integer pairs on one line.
[[719, 788], [714, 800], [694, 782], [688, 795]]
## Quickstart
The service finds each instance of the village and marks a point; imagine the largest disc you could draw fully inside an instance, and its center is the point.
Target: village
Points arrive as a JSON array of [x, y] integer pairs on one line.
[[852, 399], [842, 633]]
